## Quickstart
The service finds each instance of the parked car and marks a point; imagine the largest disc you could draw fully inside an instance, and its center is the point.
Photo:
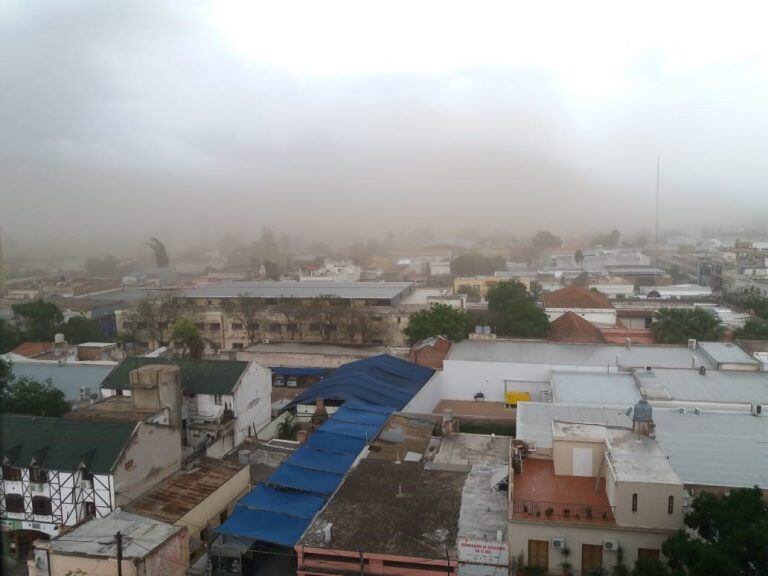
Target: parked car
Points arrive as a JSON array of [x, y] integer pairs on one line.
[[279, 381], [292, 382]]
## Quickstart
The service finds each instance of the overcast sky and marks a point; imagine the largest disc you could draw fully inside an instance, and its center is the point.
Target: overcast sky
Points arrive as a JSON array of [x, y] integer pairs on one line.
[[123, 119]]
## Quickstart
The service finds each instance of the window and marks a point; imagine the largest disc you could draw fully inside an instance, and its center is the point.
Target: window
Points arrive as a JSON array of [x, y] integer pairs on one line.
[[200, 325], [293, 326], [214, 326], [237, 346], [41, 506], [86, 475], [634, 502], [538, 554], [237, 325], [671, 505], [11, 474], [315, 327], [275, 327], [330, 327], [14, 503], [37, 475], [90, 509], [119, 392], [591, 558], [376, 318], [217, 399]]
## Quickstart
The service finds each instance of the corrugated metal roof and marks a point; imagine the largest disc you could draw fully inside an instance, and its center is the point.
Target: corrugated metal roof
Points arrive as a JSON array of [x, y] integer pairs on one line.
[[718, 386], [520, 351], [726, 353], [715, 448], [66, 377], [534, 419], [349, 290], [197, 376], [61, 443], [598, 389]]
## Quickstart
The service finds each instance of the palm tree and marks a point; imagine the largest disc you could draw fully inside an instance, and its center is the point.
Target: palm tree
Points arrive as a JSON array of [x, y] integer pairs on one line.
[[579, 257]]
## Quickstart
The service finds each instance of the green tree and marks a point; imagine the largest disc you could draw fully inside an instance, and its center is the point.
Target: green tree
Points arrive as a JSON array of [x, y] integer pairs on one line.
[[677, 326], [731, 536], [271, 270], [9, 336], [753, 329], [187, 338], [752, 299], [474, 264], [650, 567], [79, 329], [27, 396], [437, 320], [39, 319], [514, 313], [544, 239]]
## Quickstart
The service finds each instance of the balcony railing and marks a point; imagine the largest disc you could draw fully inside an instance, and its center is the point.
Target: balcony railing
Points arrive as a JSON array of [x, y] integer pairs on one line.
[[562, 511]]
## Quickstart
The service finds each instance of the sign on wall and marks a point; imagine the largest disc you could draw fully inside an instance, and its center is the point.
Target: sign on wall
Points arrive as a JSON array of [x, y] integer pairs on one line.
[[483, 552]]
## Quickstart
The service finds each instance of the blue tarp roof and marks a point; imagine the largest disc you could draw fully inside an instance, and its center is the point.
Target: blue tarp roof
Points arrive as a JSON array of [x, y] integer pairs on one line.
[[270, 499], [279, 509], [305, 479], [383, 380], [288, 371], [279, 529], [308, 457]]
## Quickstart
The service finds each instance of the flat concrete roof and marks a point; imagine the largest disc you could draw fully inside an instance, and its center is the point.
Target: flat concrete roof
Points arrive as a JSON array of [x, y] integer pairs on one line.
[[564, 354], [96, 537], [349, 290], [473, 449], [534, 419], [726, 353]]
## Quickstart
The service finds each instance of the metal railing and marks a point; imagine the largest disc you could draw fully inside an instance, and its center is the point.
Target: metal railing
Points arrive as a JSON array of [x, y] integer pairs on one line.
[[538, 509]]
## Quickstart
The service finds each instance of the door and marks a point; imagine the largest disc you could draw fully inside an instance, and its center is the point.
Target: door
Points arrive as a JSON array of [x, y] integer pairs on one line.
[[582, 462], [591, 558], [538, 554]]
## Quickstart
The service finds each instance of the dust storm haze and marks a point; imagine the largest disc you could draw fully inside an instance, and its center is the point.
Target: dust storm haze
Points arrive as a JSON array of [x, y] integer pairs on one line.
[[193, 120]]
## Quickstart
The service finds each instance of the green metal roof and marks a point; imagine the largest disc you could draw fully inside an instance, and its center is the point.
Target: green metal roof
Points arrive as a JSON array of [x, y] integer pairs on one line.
[[61, 443], [197, 376]]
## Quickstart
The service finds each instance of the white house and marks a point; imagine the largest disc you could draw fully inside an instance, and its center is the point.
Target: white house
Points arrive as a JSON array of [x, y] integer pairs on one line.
[[589, 304]]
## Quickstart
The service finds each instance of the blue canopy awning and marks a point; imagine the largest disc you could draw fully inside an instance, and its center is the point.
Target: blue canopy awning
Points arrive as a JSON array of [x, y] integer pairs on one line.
[[279, 529], [322, 440], [304, 479], [270, 499], [308, 457]]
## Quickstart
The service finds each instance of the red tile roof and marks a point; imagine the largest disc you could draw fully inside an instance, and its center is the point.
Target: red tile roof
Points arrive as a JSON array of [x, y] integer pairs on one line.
[[571, 327], [576, 297], [32, 349]]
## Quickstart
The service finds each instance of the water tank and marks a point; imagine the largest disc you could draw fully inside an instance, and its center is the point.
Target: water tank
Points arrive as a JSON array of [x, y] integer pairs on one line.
[[642, 412], [59, 338]]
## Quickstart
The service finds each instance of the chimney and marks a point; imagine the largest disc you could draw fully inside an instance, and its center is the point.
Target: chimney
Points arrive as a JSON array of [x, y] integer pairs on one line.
[[642, 418], [628, 343], [448, 425], [320, 415]]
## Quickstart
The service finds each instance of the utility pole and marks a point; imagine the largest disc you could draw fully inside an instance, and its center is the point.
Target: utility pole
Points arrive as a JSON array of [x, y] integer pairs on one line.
[[119, 539]]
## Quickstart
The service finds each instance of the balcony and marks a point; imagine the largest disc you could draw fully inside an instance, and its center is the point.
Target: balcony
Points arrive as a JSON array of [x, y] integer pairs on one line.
[[540, 495], [562, 511]]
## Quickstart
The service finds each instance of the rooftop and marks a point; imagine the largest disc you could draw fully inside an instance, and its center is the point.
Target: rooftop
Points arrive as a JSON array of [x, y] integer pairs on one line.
[[67, 377], [564, 354], [113, 408], [725, 353], [715, 448], [540, 494], [716, 386], [313, 349], [61, 443], [474, 409], [473, 449], [350, 290], [576, 297], [534, 419], [403, 437], [416, 511], [185, 490], [96, 538], [197, 376], [32, 349], [594, 388], [571, 327]]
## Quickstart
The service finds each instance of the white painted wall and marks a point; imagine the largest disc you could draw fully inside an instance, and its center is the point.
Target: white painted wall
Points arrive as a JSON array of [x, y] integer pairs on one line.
[[596, 315], [427, 399], [252, 401]]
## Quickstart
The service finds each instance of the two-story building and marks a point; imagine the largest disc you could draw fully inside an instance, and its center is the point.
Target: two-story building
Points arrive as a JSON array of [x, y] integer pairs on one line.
[[600, 492], [222, 401], [58, 472]]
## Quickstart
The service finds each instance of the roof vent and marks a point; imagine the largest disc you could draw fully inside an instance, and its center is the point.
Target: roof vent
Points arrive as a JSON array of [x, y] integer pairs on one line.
[[703, 370]]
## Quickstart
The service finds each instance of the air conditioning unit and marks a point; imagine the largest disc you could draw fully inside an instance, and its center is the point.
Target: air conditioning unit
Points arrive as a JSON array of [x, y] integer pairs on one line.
[[558, 543], [756, 409], [610, 545], [692, 344]]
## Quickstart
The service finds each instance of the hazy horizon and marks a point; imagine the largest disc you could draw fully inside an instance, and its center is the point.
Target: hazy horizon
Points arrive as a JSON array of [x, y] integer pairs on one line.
[[191, 120]]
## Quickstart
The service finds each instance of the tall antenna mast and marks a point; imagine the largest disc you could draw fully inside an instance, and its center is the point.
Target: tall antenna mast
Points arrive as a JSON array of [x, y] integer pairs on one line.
[[656, 241]]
